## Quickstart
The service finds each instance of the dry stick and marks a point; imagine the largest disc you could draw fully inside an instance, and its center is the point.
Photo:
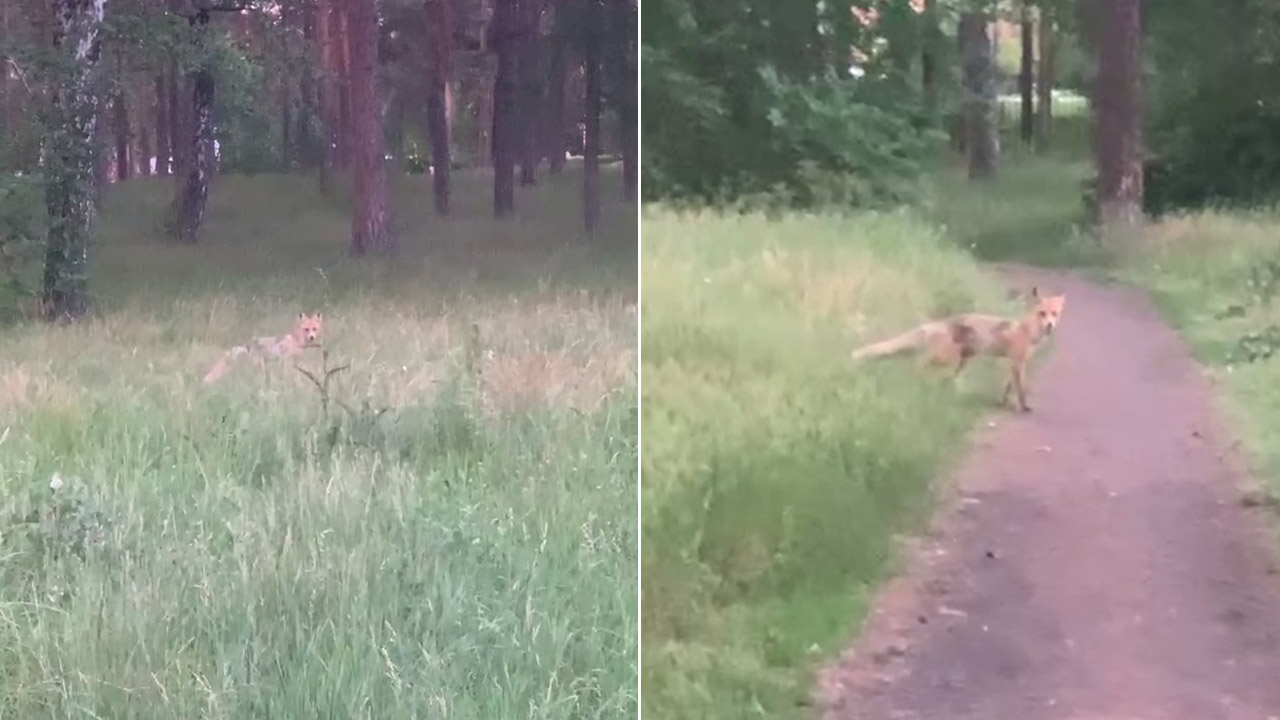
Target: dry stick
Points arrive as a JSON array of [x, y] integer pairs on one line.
[[323, 386]]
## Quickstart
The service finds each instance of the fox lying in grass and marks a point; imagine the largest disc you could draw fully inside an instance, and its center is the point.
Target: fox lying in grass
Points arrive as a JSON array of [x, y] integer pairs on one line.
[[306, 334], [956, 340]]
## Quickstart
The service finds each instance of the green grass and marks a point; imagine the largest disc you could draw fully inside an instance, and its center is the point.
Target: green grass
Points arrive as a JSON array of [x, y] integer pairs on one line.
[[458, 541], [775, 472], [1200, 269]]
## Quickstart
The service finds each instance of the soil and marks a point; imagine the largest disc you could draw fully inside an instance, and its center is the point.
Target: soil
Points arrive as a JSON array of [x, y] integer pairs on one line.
[[1096, 559]]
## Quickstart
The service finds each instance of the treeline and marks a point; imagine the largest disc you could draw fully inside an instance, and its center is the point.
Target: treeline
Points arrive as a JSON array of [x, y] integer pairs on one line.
[[192, 88], [811, 103]]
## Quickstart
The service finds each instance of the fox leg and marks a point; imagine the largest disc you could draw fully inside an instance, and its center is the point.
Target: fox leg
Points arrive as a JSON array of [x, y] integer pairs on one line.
[[1017, 381]]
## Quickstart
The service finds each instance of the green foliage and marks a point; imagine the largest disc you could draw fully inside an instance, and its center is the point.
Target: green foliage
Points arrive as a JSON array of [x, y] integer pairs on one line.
[[757, 100], [774, 471], [1214, 122]]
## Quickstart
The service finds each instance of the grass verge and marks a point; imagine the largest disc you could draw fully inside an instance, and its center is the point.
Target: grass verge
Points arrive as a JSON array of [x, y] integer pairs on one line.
[[1216, 278], [452, 536], [774, 472]]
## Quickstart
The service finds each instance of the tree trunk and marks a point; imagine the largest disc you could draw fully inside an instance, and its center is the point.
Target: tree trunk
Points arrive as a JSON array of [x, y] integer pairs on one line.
[[69, 179], [982, 139], [286, 127], [1118, 93], [1045, 79], [1026, 76], [531, 110], [306, 145], [554, 128], [342, 47], [193, 194], [120, 112], [370, 231], [628, 91], [326, 92], [145, 150], [162, 125], [440, 25], [506, 40], [591, 106], [929, 56], [177, 127]]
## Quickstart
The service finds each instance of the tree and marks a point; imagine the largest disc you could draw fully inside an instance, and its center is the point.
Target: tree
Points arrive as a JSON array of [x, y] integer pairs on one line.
[[1118, 105], [981, 138], [1026, 76], [625, 79], [591, 108], [440, 27], [370, 231], [69, 171], [193, 192], [505, 40], [1045, 78]]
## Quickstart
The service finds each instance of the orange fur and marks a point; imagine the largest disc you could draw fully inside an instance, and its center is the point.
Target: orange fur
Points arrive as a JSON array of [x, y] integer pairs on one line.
[[305, 334], [956, 340]]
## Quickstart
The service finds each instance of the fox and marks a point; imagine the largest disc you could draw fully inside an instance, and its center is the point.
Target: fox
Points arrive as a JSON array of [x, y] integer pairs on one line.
[[956, 340], [305, 334]]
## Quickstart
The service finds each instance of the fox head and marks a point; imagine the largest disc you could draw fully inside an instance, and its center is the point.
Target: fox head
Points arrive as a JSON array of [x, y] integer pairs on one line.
[[1047, 310], [309, 327]]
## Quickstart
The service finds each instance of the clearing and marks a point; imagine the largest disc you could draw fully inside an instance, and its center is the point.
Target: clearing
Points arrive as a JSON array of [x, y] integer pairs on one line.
[[1097, 561]]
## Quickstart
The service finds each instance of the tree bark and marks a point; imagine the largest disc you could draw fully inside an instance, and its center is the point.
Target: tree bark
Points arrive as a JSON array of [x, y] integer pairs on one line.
[[532, 108], [120, 112], [326, 92], [346, 128], [440, 25], [506, 39], [307, 147], [628, 120], [1045, 79], [1026, 76], [177, 128], [929, 56], [591, 141], [370, 231], [194, 193], [69, 179], [554, 128], [1118, 104], [162, 125], [982, 140], [145, 151]]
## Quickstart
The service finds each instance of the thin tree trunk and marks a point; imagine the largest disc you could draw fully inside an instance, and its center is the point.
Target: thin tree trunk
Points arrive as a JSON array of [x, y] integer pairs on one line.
[[554, 128], [506, 39], [286, 128], [929, 56], [531, 106], [145, 151], [162, 125], [307, 146], [982, 139], [591, 141], [370, 231], [69, 179], [342, 48], [326, 92], [1118, 91], [440, 25], [1044, 81], [628, 89], [178, 141], [1026, 76], [120, 112]]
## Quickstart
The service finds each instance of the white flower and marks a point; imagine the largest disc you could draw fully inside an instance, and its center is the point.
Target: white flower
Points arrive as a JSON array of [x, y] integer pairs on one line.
[[56, 483]]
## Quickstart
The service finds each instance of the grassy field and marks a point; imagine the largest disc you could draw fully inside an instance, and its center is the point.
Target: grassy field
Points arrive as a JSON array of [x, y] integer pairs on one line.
[[452, 536], [774, 472]]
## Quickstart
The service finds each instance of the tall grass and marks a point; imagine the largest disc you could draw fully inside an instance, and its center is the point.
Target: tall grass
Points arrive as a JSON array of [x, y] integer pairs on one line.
[[774, 472], [452, 535]]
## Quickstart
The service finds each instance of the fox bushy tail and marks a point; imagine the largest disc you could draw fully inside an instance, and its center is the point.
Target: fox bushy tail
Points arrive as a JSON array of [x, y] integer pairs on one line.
[[908, 341], [223, 365]]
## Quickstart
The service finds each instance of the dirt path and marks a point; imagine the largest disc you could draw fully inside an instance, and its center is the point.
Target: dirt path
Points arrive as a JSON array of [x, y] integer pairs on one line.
[[1096, 562]]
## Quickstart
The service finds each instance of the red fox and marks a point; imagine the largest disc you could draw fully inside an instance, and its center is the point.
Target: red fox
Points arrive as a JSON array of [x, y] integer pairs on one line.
[[957, 339], [306, 334]]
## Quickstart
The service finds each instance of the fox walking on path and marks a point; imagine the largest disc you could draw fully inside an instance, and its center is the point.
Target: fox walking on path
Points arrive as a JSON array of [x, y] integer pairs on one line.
[[956, 340], [306, 334]]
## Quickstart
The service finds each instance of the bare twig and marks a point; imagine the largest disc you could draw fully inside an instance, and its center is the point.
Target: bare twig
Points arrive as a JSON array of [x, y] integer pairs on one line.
[[322, 384]]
